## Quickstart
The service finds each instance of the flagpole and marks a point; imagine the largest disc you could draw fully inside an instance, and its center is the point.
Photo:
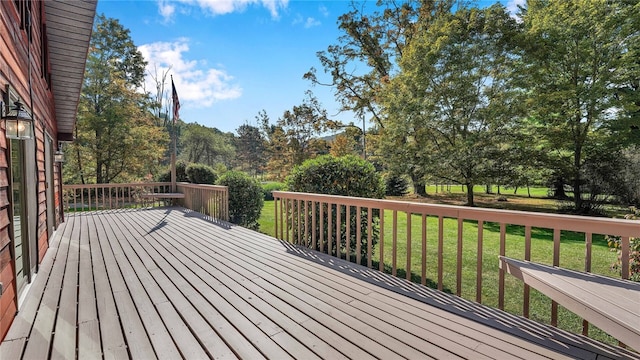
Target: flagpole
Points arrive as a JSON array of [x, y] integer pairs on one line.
[[174, 187]]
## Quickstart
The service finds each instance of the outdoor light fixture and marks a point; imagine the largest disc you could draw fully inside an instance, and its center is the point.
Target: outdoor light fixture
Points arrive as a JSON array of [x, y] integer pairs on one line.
[[58, 156], [19, 124]]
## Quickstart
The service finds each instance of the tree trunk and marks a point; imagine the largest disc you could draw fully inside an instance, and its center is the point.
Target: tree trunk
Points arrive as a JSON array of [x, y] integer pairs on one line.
[[515, 192], [470, 194], [499, 190], [577, 180], [419, 187]]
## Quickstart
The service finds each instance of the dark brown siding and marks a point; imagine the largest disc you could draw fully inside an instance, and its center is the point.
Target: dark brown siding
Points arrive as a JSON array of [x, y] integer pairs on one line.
[[14, 70]]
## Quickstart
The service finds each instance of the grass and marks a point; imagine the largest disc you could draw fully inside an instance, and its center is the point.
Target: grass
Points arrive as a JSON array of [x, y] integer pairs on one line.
[[572, 251]]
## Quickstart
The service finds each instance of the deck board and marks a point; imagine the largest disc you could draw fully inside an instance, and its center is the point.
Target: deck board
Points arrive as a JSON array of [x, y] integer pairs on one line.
[[168, 283]]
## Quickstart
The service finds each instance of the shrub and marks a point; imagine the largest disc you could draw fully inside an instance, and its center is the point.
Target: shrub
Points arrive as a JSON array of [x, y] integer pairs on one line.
[[201, 174], [347, 176], [245, 199], [269, 188], [181, 173], [395, 185], [634, 250]]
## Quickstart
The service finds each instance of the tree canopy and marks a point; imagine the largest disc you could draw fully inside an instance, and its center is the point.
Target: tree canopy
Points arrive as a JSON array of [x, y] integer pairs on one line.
[[116, 135]]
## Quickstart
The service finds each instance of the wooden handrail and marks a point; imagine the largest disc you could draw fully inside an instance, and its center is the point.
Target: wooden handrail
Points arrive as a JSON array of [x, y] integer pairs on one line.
[[210, 200], [295, 219]]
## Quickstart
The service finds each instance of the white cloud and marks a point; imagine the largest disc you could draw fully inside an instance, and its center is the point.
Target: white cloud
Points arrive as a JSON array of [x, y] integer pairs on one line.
[[221, 7], [166, 9], [307, 23], [198, 84], [512, 6], [311, 22], [323, 10]]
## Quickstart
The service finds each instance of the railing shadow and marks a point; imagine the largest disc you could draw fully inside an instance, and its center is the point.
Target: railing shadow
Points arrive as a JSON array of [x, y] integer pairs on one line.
[[188, 213], [529, 330]]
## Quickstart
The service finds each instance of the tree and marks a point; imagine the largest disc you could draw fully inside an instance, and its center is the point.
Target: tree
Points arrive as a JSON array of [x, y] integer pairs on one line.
[[116, 135], [366, 55], [300, 125], [577, 59], [250, 148], [203, 145], [452, 109]]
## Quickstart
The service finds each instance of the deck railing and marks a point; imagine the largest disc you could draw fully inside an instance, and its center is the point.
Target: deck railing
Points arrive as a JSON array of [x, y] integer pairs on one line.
[[81, 197], [211, 200], [413, 240], [208, 199]]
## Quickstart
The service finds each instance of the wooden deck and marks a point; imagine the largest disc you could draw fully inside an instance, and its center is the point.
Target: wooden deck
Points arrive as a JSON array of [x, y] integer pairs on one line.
[[170, 283]]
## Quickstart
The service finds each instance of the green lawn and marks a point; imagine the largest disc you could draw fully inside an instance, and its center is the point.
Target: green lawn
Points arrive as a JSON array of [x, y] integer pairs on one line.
[[571, 256]]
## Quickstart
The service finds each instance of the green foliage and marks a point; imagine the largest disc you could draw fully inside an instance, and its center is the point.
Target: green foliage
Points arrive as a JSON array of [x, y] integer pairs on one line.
[[117, 138], [451, 111], [245, 198], [269, 188], [201, 174], [634, 250], [250, 148], [578, 75], [204, 145], [347, 176], [395, 185], [181, 173]]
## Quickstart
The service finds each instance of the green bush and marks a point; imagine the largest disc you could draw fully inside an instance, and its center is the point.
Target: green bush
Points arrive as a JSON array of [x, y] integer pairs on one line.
[[348, 176], [269, 188], [245, 198], [181, 173], [395, 185], [201, 174]]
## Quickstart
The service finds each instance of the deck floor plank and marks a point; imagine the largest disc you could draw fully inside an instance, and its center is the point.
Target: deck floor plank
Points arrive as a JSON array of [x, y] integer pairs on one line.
[[251, 295], [316, 326], [171, 283], [134, 333], [156, 329], [346, 304], [39, 341], [322, 307], [481, 330], [113, 344], [89, 343], [186, 344]]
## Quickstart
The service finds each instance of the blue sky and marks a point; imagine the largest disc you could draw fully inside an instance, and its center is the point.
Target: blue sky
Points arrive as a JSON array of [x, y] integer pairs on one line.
[[232, 58]]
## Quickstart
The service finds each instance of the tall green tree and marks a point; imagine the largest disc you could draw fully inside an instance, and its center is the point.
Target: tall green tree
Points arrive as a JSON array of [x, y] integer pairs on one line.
[[204, 145], [451, 110], [250, 148], [301, 125], [116, 134], [583, 79], [366, 56]]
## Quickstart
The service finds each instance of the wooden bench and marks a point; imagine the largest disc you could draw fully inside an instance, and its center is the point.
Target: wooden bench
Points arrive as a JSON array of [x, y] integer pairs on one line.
[[611, 304], [156, 196]]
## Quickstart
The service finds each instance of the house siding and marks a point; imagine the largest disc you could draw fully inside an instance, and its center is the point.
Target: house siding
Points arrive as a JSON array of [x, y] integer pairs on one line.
[[14, 71]]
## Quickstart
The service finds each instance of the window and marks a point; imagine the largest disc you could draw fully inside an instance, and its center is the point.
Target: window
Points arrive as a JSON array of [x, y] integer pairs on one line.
[[24, 11]]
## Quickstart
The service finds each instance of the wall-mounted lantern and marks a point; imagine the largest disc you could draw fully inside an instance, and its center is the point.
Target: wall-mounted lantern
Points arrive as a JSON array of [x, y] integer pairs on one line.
[[18, 123], [59, 155]]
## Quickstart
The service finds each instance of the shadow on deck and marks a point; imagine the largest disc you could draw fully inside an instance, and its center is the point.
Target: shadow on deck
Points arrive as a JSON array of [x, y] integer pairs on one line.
[[172, 283]]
